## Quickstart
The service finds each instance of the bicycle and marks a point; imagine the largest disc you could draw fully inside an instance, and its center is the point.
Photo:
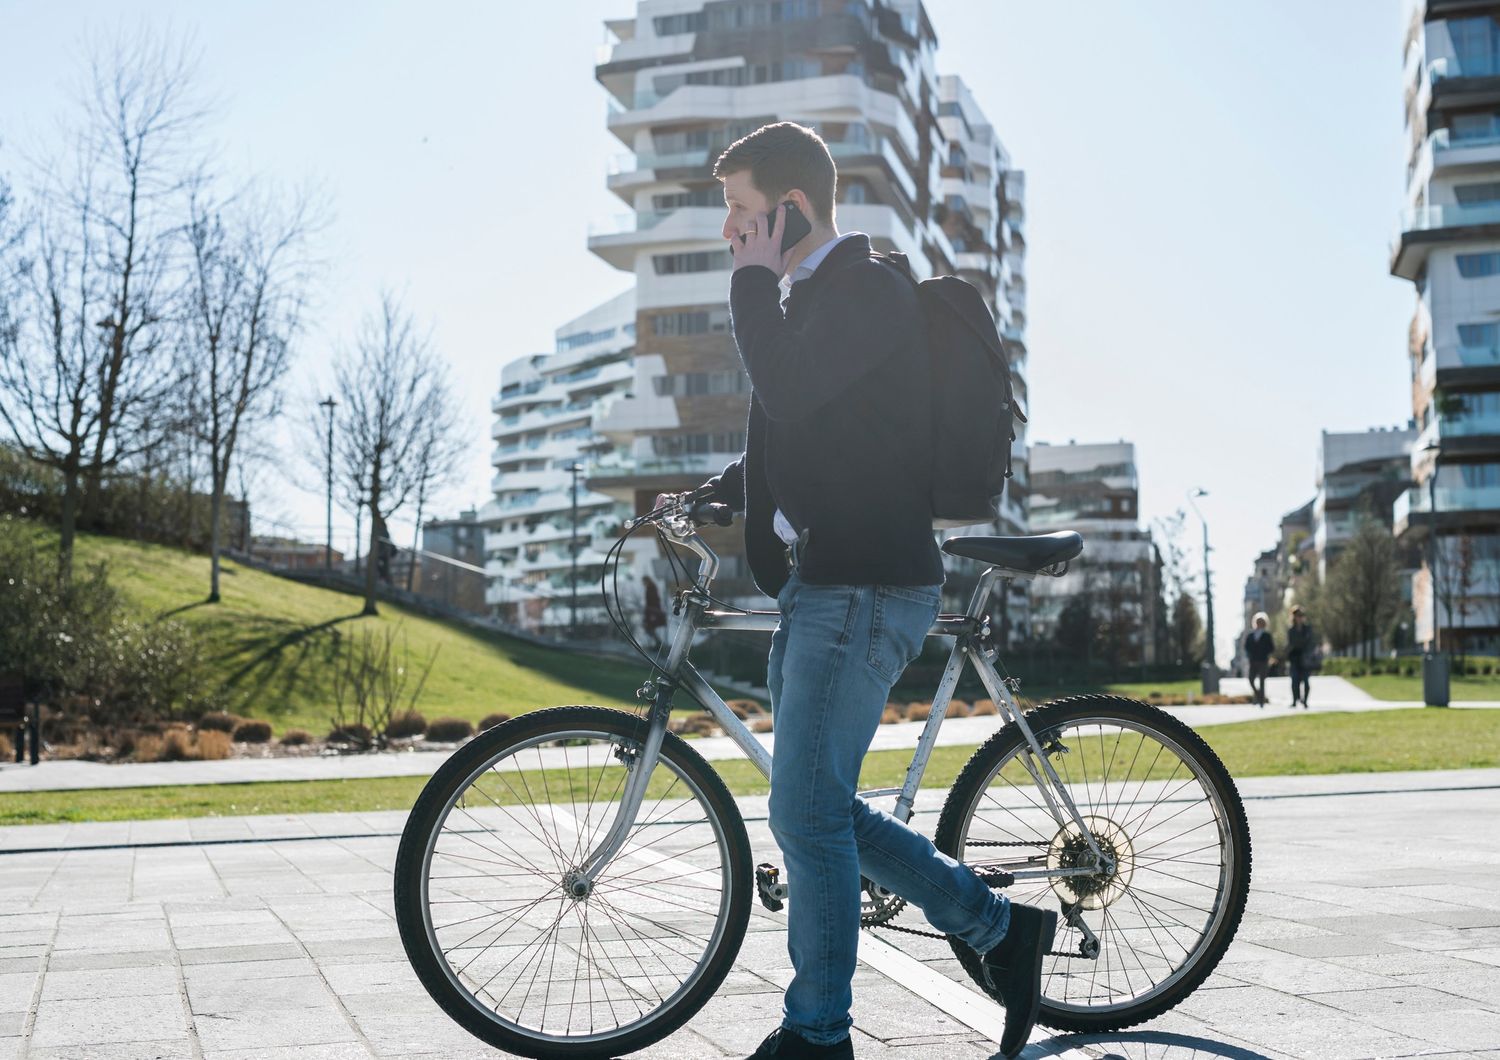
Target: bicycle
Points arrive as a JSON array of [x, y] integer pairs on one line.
[[577, 882]]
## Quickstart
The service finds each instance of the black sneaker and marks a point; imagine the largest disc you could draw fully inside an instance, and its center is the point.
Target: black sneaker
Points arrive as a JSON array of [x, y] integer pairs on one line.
[[783, 1044], [1013, 972]]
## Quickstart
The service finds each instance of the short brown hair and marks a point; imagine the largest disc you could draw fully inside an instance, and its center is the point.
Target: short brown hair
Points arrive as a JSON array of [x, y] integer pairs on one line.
[[781, 157]]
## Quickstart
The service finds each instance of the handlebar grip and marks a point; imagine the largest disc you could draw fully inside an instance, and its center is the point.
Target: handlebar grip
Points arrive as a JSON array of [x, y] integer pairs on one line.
[[708, 512]]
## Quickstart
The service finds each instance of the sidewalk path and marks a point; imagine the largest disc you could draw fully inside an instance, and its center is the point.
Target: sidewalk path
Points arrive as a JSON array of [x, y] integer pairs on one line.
[[1328, 694], [1373, 931]]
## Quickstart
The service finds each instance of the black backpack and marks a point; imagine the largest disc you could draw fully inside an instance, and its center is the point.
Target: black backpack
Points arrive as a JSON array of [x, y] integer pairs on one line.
[[974, 410]]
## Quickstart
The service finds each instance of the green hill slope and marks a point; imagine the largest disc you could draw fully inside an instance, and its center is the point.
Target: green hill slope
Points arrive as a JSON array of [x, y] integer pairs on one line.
[[273, 638]]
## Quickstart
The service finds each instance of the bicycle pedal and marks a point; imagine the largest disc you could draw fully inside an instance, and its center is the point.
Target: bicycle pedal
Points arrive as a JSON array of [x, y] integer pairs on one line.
[[769, 887]]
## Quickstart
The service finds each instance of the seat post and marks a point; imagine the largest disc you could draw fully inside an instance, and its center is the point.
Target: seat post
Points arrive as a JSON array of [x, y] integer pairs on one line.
[[982, 591]]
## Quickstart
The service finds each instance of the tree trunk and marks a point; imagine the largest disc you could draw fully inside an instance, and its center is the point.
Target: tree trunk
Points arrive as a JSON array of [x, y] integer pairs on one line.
[[69, 521], [416, 542], [372, 557], [215, 507]]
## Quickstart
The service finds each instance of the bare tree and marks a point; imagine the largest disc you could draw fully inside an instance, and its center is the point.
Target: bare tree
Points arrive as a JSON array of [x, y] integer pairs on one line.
[[393, 394], [242, 307], [83, 358], [1363, 593], [438, 457], [1454, 579]]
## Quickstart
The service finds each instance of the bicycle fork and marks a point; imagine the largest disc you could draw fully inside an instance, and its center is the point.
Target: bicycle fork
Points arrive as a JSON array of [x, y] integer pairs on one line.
[[639, 765]]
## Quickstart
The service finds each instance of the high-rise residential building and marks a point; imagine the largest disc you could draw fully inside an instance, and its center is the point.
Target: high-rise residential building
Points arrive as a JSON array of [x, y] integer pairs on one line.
[[1094, 489], [921, 171], [1360, 475], [546, 418], [1448, 245]]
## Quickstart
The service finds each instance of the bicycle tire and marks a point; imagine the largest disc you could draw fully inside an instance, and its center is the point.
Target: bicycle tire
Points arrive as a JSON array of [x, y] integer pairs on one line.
[[475, 762], [1051, 723]]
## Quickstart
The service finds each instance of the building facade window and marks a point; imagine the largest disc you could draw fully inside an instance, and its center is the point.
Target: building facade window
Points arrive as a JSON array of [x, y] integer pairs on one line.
[[1482, 338], [1477, 194], [1472, 266], [713, 196], [697, 322], [1474, 127], [688, 22], [700, 261], [1476, 43], [695, 384], [583, 338], [730, 443]]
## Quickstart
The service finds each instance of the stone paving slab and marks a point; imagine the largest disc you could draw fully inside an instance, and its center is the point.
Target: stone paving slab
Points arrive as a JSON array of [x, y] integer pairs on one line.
[[1373, 931], [1329, 694]]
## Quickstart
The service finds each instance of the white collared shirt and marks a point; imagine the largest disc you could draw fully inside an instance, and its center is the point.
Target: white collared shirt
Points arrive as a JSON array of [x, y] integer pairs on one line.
[[805, 268]]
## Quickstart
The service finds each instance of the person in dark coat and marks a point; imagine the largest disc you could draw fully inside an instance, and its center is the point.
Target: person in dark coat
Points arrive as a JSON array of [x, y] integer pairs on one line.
[[1301, 647], [653, 615], [1259, 648]]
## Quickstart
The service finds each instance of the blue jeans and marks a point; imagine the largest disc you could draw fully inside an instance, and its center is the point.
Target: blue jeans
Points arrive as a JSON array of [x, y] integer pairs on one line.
[[836, 653]]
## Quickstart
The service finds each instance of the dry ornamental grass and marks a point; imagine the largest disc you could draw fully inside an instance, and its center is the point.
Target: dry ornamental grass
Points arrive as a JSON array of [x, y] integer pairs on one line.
[[252, 732], [449, 730], [296, 738], [489, 721]]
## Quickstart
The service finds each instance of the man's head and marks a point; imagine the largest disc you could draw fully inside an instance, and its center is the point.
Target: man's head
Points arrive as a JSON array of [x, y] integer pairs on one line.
[[1298, 616], [775, 163], [1262, 620]]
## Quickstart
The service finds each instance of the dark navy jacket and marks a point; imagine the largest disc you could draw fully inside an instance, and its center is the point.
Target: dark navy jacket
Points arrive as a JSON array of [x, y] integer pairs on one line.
[[840, 432]]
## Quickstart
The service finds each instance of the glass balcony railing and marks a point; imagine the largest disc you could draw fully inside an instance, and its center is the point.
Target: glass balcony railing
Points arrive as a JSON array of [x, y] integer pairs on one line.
[[1448, 67], [1469, 356], [1449, 215], [1449, 499], [692, 464], [630, 163], [1464, 425], [645, 220]]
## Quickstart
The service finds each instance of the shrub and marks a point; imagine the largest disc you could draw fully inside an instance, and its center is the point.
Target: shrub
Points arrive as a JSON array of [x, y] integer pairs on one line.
[[213, 745], [983, 708], [744, 708], [918, 711], [180, 745], [449, 730], [958, 709], [489, 721], [353, 734], [892, 715], [219, 721], [252, 732], [374, 680], [407, 723], [296, 738], [761, 725]]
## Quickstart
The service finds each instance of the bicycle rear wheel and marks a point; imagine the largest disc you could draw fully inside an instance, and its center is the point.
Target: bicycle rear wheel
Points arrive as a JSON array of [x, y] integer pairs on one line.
[[493, 931], [1159, 802]]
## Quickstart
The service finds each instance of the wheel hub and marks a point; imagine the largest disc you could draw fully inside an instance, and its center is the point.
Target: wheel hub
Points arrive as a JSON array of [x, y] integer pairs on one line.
[[1069, 849], [575, 886]]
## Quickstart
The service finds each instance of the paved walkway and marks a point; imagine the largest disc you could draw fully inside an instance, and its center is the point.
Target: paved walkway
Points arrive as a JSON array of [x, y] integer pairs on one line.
[[1328, 694], [1373, 931]]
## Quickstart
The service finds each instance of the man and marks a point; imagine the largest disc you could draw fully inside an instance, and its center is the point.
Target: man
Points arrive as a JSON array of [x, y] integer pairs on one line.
[[1258, 649], [835, 487], [1301, 645]]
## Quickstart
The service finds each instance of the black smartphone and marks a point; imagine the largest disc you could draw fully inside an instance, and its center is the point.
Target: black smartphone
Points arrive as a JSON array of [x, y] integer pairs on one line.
[[797, 226]]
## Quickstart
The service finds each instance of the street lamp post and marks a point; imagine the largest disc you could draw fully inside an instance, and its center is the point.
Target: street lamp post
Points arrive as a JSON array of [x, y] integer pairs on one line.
[[573, 469], [328, 546], [1208, 579]]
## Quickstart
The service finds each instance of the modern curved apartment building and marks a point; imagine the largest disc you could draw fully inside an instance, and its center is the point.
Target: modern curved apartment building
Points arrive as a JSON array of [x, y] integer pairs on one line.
[[921, 170], [1448, 245]]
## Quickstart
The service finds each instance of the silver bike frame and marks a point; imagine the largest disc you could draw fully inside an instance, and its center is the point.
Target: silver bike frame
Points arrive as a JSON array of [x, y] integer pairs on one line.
[[969, 646]]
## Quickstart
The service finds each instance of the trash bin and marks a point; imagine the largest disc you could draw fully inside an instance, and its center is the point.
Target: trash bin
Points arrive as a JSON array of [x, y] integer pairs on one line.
[[1435, 679], [1210, 679]]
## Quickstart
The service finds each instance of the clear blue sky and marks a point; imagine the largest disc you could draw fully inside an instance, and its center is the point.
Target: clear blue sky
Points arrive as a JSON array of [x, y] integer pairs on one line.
[[1211, 192]]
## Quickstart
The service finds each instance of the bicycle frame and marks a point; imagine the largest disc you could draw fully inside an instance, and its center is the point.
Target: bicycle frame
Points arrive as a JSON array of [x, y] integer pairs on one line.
[[972, 644]]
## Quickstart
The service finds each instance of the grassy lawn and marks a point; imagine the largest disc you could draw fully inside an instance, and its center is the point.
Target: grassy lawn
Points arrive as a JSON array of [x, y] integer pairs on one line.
[[1396, 687], [1415, 739], [272, 639]]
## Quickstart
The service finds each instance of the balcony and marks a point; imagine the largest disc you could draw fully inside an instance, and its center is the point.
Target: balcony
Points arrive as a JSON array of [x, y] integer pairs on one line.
[[1426, 226], [1413, 509], [1461, 86], [1448, 153], [619, 239], [629, 172]]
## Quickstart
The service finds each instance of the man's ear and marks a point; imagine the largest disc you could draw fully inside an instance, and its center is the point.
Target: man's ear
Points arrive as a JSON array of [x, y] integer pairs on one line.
[[800, 198]]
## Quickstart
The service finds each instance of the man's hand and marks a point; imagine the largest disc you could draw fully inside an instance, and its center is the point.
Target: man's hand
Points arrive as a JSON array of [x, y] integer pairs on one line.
[[762, 247]]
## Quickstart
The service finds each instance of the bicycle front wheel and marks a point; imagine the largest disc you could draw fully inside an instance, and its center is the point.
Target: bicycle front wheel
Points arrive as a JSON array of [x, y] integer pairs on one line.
[[492, 927], [1146, 929]]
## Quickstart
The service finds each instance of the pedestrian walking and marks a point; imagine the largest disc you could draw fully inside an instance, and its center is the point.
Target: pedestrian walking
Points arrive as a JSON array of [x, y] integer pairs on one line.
[[1301, 655], [1259, 647], [653, 615], [836, 487]]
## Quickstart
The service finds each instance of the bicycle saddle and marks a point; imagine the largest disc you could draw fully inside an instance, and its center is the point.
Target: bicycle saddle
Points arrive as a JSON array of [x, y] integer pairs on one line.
[[1031, 554]]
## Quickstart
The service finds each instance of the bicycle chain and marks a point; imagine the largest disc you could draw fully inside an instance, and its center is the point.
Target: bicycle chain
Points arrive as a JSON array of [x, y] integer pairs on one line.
[[938, 934]]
